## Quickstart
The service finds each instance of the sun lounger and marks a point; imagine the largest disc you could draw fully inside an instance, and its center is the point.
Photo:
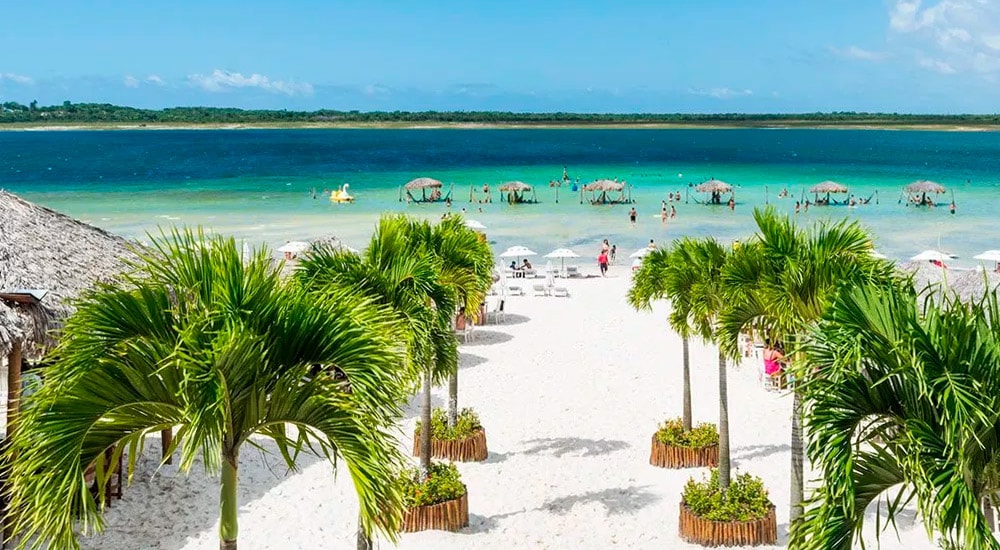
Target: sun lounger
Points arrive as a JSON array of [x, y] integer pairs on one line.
[[513, 289], [560, 291], [540, 290], [529, 273], [572, 271]]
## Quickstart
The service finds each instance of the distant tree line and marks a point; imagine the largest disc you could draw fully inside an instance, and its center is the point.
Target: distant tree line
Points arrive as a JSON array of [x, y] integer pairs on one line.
[[67, 112]]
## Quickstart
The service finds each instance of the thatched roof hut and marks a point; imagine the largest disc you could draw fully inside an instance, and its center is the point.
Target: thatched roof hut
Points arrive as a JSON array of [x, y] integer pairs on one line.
[[924, 186], [423, 183], [713, 186], [828, 187], [43, 249], [604, 185], [515, 186]]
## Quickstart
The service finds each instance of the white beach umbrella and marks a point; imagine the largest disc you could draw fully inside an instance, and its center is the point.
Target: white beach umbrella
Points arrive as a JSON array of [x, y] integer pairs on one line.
[[641, 253], [294, 247], [562, 254], [878, 255], [517, 252], [989, 256], [473, 224], [931, 255]]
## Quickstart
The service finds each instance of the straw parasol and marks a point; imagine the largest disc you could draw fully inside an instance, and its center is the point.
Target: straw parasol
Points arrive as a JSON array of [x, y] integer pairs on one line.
[[828, 187], [515, 186], [713, 186], [604, 185], [924, 186], [48, 259], [423, 183], [43, 249]]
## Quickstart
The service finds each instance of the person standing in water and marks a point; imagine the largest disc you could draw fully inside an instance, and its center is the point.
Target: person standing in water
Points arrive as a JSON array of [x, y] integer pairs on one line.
[[631, 215], [663, 212], [952, 207], [673, 212]]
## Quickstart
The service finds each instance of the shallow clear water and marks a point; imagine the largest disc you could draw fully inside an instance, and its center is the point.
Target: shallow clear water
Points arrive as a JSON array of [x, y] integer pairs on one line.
[[256, 184]]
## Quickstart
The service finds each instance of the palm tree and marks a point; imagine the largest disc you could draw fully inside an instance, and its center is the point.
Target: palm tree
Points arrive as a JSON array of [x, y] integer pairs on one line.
[[467, 269], [909, 401], [661, 277], [781, 282], [196, 338], [399, 271]]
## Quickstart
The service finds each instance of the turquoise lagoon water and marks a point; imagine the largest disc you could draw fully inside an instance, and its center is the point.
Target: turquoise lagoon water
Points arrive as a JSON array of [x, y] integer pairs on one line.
[[257, 184]]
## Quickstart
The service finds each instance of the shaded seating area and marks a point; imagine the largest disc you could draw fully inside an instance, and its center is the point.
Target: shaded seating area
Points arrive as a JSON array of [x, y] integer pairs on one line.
[[601, 192], [923, 193], [518, 192], [714, 189], [49, 259], [422, 190]]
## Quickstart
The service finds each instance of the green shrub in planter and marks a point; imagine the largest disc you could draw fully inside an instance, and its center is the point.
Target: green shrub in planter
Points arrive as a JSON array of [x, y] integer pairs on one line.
[[467, 425], [672, 433], [746, 499], [443, 484]]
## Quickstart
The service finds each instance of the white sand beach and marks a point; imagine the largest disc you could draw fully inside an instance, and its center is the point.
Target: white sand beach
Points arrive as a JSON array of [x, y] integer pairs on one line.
[[570, 391]]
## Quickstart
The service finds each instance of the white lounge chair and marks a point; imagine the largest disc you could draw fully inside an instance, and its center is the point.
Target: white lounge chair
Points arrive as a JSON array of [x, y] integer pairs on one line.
[[540, 290], [466, 332], [513, 289], [572, 271], [529, 273], [560, 291]]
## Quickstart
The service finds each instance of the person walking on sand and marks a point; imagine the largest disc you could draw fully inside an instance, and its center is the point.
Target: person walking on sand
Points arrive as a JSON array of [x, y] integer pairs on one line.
[[631, 215], [602, 263]]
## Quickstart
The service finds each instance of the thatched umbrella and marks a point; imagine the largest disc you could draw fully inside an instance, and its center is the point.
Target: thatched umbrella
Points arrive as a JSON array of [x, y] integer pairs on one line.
[[515, 192], [43, 249], [423, 183], [515, 186], [828, 187], [924, 187], [604, 186], [713, 186]]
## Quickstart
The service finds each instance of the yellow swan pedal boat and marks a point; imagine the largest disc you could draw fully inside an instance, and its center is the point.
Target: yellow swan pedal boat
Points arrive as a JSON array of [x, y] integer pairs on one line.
[[341, 195]]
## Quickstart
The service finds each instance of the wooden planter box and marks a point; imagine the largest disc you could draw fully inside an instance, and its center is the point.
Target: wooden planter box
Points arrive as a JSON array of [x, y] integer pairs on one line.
[[451, 515], [728, 533], [470, 449], [668, 456]]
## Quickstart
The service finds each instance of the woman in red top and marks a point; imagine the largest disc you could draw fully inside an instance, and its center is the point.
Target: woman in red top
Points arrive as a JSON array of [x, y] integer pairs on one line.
[[602, 262]]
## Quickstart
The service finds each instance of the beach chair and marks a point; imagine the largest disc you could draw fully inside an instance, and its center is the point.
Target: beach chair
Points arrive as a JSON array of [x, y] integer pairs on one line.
[[560, 291], [498, 313], [529, 273], [540, 290], [515, 289], [463, 328], [572, 271]]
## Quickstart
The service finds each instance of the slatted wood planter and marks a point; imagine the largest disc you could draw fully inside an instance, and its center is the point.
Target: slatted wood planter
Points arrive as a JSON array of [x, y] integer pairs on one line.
[[706, 532], [451, 515], [470, 449], [669, 456]]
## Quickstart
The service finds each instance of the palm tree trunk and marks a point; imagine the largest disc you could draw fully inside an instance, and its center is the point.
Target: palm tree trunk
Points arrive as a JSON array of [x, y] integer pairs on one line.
[[228, 528], [453, 398], [686, 418], [988, 513], [723, 424], [364, 541], [425, 426], [797, 495]]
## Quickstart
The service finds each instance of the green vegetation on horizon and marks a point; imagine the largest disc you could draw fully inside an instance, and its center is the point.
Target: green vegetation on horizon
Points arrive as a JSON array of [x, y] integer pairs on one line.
[[12, 112]]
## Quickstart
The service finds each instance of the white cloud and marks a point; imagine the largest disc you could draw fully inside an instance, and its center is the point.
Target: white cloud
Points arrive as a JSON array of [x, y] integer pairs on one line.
[[722, 93], [936, 65], [154, 79], [17, 78], [131, 82], [949, 36], [220, 81], [854, 52]]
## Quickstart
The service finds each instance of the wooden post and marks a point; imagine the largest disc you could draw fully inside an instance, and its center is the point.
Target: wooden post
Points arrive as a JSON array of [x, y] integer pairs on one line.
[[13, 386], [166, 439]]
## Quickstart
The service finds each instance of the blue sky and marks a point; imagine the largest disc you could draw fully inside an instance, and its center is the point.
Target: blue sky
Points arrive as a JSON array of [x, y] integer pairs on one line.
[[519, 55]]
